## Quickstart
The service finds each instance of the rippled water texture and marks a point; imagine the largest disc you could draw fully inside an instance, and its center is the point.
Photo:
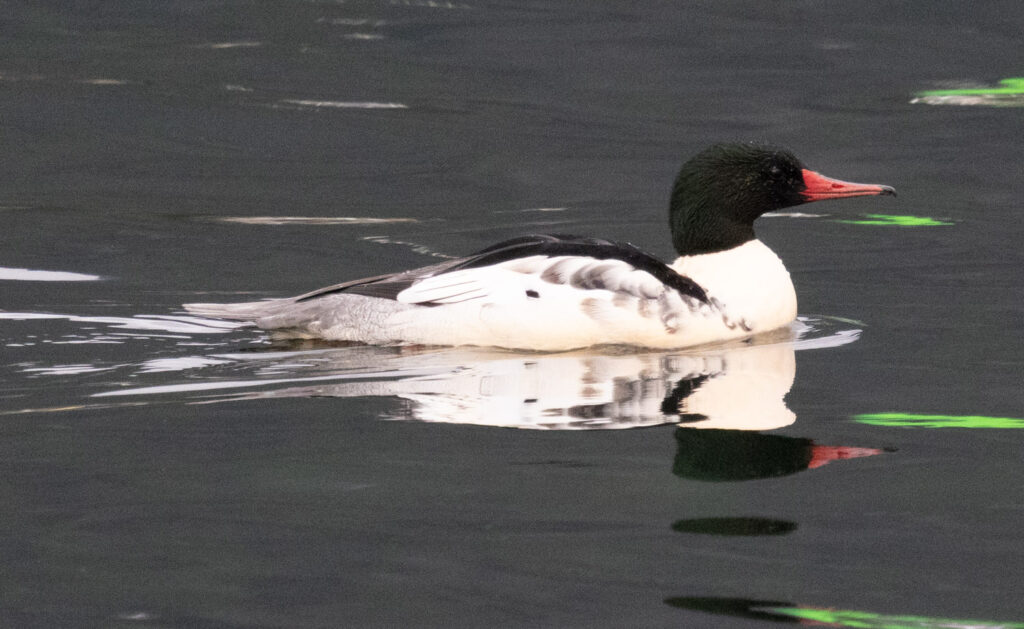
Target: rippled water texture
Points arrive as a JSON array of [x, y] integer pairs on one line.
[[860, 469]]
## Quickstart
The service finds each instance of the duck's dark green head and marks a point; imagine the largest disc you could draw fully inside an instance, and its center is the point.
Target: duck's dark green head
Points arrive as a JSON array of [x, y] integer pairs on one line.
[[721, 191]]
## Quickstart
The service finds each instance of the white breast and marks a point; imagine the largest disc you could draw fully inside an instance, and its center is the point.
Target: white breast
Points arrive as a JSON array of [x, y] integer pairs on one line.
[[749, 282]]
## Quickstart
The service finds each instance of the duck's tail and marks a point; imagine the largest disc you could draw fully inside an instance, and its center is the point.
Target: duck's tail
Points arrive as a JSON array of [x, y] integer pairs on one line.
[[245, 311]]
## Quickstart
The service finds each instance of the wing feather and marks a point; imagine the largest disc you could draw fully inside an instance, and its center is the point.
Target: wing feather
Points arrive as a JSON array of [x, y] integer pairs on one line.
[[582, 263]]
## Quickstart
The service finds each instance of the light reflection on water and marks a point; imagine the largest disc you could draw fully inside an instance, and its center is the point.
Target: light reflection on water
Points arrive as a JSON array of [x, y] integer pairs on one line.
[[34, 275]]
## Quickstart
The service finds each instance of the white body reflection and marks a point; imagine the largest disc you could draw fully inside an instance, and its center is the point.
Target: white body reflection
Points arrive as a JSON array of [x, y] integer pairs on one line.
[[738, 386]]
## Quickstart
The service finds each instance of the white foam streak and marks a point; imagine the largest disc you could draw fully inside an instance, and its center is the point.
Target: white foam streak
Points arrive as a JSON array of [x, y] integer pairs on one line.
[[838, 338], [67, 370], [179, 364], [312, 220], [104, 82], [337, 104], [31, 275], [230, 44], [238, 384], [792, 215], [183, 325]]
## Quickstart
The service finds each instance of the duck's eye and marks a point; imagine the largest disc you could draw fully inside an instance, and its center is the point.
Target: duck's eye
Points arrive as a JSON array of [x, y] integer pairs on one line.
[[782, 174]]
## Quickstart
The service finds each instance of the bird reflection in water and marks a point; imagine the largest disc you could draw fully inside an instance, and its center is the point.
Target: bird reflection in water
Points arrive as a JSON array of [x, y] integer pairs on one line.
[[737, 386], [752, 455], [720, 398]]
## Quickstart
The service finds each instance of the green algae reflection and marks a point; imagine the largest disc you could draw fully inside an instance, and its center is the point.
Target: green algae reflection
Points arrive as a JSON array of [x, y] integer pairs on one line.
[[788, 613], [868, 620], [1008, 93], [897, 220], [1009, 87], [916, 420]]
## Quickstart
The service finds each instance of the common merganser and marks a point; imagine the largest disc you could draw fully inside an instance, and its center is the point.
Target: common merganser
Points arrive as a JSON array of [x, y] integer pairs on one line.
[[559, 292]]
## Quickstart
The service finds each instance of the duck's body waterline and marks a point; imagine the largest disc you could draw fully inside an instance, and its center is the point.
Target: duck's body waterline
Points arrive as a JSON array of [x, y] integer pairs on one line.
[[553, 293]]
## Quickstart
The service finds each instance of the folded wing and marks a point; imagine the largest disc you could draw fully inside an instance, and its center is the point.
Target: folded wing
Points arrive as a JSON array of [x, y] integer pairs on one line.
[[582, 263]]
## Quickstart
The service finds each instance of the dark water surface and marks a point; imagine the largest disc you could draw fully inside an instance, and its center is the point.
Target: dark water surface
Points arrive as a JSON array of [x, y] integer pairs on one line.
[[163, 471]]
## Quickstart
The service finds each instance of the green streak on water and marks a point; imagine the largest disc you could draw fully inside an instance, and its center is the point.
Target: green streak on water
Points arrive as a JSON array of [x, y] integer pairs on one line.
[[1009, 87], [868, 620], [916, 420], [897, 220]]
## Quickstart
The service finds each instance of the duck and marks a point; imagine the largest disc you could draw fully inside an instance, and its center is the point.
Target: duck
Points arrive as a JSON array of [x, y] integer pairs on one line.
[[558, 292]]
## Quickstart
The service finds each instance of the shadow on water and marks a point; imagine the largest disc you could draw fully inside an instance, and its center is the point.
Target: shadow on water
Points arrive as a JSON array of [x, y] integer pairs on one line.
[[737, 526]]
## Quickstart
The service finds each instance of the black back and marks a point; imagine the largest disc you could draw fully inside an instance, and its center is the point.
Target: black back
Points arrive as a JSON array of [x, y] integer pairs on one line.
[[550, 245]]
